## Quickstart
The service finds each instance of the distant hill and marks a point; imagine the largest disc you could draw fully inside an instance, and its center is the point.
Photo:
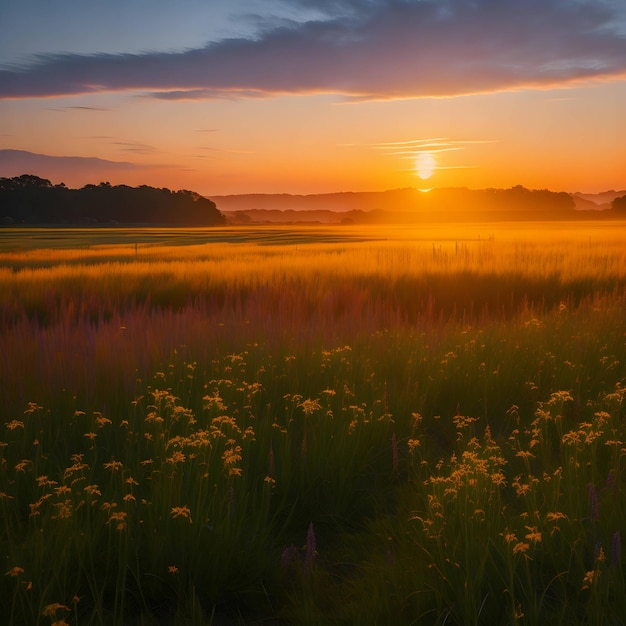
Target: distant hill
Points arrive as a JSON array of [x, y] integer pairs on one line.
[[602, 200], [406, 206], [31, 200]]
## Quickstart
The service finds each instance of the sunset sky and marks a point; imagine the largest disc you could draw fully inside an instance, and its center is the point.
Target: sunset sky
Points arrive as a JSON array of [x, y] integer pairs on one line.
[[309, 96]]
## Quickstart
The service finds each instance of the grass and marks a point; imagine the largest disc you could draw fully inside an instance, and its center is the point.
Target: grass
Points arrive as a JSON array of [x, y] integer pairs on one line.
[[346, 427]]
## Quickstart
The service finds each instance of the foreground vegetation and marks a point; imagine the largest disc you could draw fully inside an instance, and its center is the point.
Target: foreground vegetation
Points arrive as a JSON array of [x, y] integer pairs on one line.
[[315, 427]]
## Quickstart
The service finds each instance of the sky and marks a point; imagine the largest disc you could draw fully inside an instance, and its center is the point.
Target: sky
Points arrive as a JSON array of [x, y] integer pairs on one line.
[[315, 96]]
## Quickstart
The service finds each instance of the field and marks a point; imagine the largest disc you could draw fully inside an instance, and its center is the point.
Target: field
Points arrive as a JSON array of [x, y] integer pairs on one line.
[[313, 425]]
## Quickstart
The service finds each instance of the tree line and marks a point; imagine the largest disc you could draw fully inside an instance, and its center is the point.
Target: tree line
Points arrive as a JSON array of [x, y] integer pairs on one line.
[[30, 200]]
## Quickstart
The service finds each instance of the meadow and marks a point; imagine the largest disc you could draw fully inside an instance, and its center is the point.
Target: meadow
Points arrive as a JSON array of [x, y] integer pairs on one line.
[[313, 425]]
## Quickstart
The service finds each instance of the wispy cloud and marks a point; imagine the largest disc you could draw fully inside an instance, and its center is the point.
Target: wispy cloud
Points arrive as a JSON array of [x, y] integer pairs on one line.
[[363, 49], [135, 148], [69, 169], [76, 108], [413, 149]]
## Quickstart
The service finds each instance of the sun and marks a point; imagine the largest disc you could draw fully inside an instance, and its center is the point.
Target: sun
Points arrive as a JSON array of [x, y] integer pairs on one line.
[[425, 165]]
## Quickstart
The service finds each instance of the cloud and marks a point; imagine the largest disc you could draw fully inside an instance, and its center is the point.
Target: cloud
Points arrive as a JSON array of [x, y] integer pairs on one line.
[[411, 150], [68, 169], [135, 148], [363, 49]]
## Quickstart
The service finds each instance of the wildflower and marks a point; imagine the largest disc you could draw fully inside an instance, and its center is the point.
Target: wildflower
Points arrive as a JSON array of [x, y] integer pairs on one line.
[[22, 465], [616, 548], [120, 518], [176, 458], [13, 424], [554, 517], [521, 547], [310, 406], [230, 457], [525, 454], [509, 537], [498, 479], [172, 569], [181, 511], [32, 408], [93, 490], [91, 436], [114, 466], [15, 571], [311, 542], [64, 509], [589, 578], [289, 556], [51, 609], [611, 481], [534, 535], [101, 421], [413, 443]]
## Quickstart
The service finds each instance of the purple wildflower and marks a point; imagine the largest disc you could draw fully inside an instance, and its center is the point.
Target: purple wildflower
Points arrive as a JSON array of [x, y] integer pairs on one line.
[[310, 547], [289, 557], [616, 548], [611, 481]]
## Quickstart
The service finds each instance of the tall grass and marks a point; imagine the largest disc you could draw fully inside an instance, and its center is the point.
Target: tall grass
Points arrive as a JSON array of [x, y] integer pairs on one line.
[[423, 429]]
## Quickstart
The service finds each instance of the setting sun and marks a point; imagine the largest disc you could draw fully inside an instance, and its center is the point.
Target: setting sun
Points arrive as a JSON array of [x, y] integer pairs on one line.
[[425, 165]]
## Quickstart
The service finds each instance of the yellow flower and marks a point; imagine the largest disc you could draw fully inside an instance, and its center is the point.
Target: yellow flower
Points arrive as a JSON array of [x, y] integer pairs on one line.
[[556, 516], [534, 535], [589, 578], [101, 420], [181, 511], [310, 406], [22, 465], [15, 571], [51, 609], [413, 443], [177, 457], [93, 490], [64, 509], [113, 465], [525, 454], [120, 518]]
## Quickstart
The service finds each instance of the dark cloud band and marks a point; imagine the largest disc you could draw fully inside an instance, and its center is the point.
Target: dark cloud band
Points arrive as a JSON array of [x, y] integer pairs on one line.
[[389, 49]]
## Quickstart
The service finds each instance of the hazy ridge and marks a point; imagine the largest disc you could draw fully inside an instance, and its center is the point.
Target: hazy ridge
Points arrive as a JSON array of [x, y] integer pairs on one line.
[[412, 205]]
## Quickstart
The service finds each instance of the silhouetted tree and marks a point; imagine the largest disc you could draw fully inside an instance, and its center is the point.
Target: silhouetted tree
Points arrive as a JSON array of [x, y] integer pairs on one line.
[[619, 204], [28, 199]]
